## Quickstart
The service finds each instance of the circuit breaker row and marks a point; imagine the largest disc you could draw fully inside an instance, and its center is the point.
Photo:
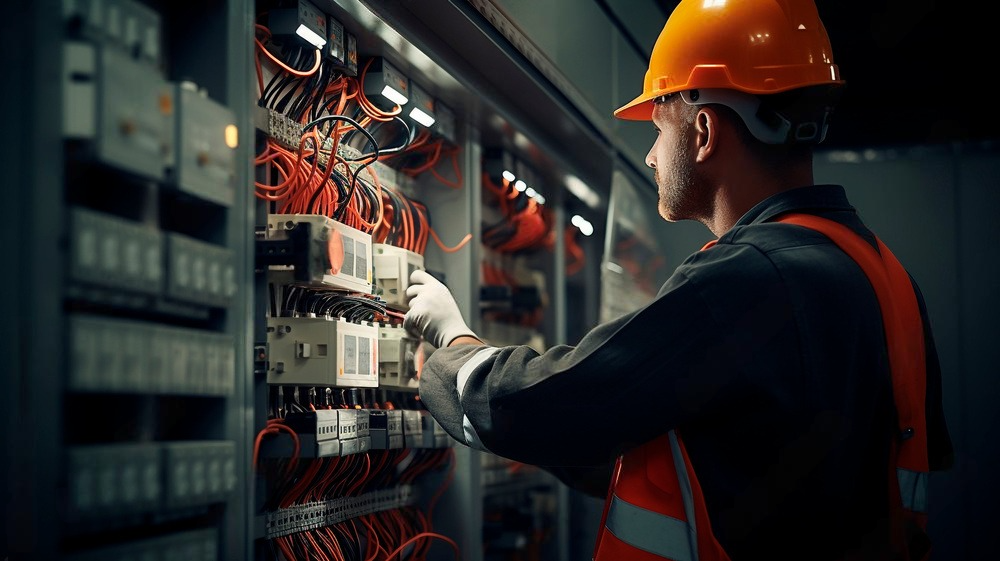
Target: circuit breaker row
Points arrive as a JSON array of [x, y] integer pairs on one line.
[[335, 255], [115, 96], [125, 356], [133, 478], [113, 252], [325, 352], [341, 432]]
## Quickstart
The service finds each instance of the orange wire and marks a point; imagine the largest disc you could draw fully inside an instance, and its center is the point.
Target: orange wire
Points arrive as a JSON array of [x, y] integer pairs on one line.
[[457, 184], [446, 249], [428, 535], [275, 428], [285, 67]]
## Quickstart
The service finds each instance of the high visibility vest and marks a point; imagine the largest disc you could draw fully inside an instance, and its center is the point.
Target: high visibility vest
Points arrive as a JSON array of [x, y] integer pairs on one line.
[[655, 509]]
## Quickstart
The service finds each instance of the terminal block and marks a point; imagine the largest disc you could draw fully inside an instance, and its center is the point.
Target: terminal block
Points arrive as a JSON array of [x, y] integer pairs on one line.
[[386, 429], [326, 432], [307, 351], [393, 266], [335, 254]]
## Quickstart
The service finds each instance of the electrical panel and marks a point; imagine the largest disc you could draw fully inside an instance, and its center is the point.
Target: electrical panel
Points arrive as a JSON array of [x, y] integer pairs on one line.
[[214, 266], [146, 330]]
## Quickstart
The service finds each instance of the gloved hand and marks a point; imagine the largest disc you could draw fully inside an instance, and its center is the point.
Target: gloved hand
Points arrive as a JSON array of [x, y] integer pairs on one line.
[[433, 312]]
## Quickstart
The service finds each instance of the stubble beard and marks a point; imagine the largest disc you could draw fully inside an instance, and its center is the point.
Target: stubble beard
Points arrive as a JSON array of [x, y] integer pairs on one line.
[[677, 189]]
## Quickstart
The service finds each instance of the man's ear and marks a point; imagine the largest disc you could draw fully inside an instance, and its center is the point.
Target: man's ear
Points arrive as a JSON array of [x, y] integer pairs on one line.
[[707, 125]]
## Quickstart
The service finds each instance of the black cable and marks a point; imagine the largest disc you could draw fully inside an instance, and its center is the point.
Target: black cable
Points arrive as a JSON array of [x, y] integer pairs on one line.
[[339, 212], [408, 138], [319, 102], [293, 80]]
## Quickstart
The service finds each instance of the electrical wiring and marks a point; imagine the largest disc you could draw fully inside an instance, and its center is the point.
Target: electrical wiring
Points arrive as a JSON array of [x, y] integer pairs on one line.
[[332, 302], [318, 117], [406, 224], [260, 46], [457, 182], [274, 427], [366, 104], [427, 535], [374, 536], [450, 459]]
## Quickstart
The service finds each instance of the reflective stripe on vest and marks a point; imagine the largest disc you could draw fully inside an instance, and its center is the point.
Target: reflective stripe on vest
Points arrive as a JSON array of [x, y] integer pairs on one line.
[[654, 532], [913, 489], [650, 531]]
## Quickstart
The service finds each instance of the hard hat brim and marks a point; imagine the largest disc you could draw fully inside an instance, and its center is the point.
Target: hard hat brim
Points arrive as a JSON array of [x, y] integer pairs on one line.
[[639, 109]]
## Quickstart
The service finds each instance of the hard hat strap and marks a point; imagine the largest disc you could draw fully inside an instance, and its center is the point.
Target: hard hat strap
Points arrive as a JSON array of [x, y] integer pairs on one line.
[[771, 123]]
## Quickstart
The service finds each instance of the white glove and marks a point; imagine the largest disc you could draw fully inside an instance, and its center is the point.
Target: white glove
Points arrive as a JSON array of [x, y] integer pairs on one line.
[[433, 312]]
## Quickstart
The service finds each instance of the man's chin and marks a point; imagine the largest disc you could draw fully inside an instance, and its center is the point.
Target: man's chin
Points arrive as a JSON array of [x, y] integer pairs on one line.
[[669, 215]]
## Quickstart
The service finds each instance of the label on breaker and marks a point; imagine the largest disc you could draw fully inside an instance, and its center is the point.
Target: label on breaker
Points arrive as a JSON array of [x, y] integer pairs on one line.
[[359, 360]]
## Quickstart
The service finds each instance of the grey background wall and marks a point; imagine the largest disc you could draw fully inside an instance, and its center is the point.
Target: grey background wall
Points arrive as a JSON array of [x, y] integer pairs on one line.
[[935, 207]]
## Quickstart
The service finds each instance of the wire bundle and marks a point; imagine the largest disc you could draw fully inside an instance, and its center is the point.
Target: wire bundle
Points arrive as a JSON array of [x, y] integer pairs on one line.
[[331, 302], [425, 153], [406, 223], [525, 226], [379, 536], [313, 177], [522, 303]]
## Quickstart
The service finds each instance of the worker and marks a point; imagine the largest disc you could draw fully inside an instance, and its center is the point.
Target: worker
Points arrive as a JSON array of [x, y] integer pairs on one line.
[[751, 410]]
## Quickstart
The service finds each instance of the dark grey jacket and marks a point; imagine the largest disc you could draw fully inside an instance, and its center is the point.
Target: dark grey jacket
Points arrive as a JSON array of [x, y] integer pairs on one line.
[[766, 352]]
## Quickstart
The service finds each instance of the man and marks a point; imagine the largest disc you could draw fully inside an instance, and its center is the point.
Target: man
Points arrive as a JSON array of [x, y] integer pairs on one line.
[[766, 352]]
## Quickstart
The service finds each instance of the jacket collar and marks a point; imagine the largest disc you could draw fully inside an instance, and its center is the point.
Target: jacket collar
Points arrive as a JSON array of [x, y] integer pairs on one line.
[[814, 199]]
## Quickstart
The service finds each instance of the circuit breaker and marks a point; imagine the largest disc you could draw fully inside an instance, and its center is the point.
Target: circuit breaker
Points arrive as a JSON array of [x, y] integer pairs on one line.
[[206, 135], [393, 266], [308, 351], [337, 255], [397, 358], [123, 106]]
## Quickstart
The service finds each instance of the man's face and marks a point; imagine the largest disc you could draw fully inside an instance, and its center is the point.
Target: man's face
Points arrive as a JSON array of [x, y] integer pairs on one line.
[[672, 160]]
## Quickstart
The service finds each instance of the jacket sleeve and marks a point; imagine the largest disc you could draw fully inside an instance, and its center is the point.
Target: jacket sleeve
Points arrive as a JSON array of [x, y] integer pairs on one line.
[[627, 381]]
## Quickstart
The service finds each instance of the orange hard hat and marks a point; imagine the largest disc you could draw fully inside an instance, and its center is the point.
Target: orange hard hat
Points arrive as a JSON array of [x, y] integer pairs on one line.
[[753, 46]]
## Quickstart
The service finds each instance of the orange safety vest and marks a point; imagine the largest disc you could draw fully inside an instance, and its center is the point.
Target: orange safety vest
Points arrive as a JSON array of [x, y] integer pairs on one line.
[[655, 509]]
